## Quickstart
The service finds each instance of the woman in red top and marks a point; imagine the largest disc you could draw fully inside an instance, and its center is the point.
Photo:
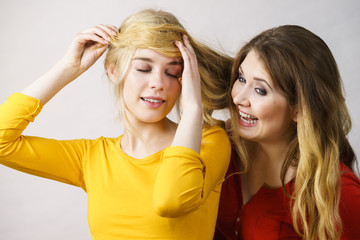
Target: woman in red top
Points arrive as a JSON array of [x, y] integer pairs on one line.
[[289, 113]]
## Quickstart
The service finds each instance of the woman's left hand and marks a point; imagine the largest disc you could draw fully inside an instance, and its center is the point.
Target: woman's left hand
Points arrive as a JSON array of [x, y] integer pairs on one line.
[[190, 80], [189, 131]]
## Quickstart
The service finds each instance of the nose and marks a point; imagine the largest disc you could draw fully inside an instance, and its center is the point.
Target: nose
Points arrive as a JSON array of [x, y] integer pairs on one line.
[[156, 81], [240, 95]]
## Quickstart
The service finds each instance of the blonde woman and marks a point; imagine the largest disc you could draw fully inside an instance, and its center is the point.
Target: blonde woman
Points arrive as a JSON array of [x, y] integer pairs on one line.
[[290, 124], [160, 179]]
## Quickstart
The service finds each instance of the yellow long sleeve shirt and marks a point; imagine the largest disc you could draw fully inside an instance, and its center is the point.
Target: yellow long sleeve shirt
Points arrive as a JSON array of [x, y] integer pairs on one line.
[[172, 194]]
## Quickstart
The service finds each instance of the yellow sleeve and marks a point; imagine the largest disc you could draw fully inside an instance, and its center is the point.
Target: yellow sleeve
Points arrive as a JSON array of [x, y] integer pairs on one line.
[[49, 158], [185, 178]]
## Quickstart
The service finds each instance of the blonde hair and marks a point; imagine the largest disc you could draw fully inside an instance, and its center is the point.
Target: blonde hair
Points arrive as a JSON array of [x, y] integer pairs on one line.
[[302, 66], [158, 30]]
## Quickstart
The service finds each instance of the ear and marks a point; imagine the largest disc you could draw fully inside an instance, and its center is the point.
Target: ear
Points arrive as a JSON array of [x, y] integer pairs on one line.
[[112, 73], [294, 113]]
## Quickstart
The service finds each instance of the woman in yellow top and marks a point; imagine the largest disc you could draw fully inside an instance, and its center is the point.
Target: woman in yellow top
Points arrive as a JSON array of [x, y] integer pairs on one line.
[[160, 179]]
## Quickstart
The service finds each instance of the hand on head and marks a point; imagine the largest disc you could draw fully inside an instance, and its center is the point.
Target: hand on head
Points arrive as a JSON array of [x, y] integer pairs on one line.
[[190, 79], [88, 46]]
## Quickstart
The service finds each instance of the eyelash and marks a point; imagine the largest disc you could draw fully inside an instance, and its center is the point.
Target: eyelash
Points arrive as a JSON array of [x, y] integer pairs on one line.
[[173, 76], [145, 71], [241, 79], [260, 91], [141, 70]]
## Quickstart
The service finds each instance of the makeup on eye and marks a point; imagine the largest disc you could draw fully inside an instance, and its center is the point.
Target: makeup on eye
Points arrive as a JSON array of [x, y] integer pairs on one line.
[[241, 79], [173, 71], [261, 91], [176, 74], [143, 69], [258, 81]]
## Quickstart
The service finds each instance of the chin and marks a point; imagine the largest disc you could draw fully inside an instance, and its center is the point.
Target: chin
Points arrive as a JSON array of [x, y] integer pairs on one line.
[[153, 119]]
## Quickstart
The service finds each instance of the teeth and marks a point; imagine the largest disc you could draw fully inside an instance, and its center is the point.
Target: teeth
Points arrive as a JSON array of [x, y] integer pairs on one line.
[[246, 115], [248, 120], [152, 100]]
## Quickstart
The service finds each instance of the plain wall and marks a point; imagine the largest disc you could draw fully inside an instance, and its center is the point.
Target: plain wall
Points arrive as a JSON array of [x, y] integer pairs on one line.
[[35, 34]]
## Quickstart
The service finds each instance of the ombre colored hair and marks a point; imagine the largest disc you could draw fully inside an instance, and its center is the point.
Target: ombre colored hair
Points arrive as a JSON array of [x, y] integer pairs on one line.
[[303, 67], [158, 30]]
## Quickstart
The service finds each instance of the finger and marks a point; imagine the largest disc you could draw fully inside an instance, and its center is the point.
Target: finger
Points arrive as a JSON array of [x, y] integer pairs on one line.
[[98, 30], [189, 56], [184, 53], [190, 49], [116, 29], [84, 38], [109, 29]]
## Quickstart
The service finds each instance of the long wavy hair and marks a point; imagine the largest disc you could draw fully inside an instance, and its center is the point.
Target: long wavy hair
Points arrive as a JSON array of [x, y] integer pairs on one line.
[[303, 67], [158, 30]]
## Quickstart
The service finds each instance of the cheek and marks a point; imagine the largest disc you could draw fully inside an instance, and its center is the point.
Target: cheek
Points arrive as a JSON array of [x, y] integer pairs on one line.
[[130, 89], [235, 90], [175, 88], [265, 112], [128, 82], [275, 112], [264, 108]]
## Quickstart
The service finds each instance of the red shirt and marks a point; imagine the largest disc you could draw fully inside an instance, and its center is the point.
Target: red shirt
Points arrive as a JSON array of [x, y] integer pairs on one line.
[[268, 215]]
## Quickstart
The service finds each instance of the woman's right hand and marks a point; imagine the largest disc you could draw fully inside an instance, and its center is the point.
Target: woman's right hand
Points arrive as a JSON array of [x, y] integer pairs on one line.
[[88, 46], [82, 53]]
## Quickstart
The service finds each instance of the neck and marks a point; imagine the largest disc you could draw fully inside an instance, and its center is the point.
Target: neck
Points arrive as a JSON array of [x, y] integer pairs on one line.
[[270, 153], [148, 139], [266, 159]]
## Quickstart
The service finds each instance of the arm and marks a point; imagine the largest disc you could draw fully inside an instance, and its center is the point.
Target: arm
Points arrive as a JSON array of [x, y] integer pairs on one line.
[[48, 158], [188, 133], [186, 179], [84, 50], [58, 160], [197, 161]]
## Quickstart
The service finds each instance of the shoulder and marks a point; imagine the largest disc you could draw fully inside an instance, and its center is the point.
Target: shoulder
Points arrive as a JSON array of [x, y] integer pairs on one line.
[[214, 131], [348, 178], [350, 190], [102, 143], [215, 144], [216, 137], [349, 202], [233, 170]]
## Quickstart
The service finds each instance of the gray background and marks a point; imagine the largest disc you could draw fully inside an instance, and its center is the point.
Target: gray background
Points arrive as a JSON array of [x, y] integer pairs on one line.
[[35, 34]]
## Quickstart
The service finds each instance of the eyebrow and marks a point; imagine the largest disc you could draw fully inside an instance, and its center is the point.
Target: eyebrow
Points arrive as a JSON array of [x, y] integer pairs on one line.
[[255, 78], [151, 61]]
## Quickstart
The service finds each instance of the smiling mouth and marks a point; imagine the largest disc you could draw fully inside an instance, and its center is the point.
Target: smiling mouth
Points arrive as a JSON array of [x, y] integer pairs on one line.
[[152, 100], [247, 118]]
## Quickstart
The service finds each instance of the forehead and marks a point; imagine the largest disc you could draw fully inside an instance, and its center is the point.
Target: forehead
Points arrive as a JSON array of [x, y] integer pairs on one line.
[[253, 68], [252, 64], [150, 55]]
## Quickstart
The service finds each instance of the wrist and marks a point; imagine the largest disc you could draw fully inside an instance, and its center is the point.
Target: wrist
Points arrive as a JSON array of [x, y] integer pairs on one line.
[[193, 112], [192, 108], [67, 71]]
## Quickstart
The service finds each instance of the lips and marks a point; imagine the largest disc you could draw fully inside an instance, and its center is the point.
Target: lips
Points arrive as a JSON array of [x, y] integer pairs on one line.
[[153, 99], [247, 118]]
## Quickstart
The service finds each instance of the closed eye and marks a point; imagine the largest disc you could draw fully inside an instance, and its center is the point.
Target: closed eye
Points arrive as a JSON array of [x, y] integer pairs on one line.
[[172, 75], [143, 70]]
